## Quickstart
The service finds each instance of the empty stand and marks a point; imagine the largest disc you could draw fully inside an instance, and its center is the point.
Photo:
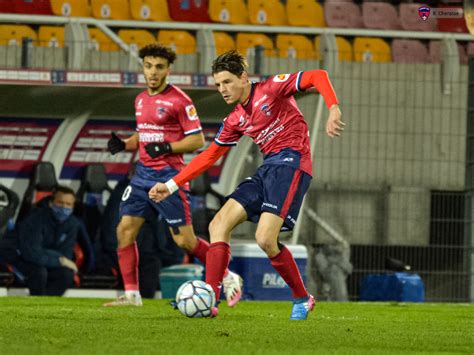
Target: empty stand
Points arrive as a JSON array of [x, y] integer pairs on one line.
[[51, 36], [136, 39], [111, 9], [343, 15], [224, 42], [380, 15], [182, 41], [14, 34], [189, 10], [409, 51], [295, 46], [435, 52], [371, 50], [305, 13], [410, 19], [36, 7], [246, 43], [100, 41], [344, 48], [228, 11], [151, 10], [267, 12], [77, 8]]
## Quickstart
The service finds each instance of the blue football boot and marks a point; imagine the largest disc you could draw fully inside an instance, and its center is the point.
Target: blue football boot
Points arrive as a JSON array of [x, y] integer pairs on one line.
[[301, 308]]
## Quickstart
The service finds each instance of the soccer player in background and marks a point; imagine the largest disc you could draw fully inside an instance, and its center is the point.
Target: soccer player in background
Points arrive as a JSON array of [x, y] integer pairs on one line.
[[267, 112], [167, 127]]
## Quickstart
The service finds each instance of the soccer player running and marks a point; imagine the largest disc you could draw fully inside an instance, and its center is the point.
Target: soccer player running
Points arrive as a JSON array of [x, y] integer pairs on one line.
[[167, 127], [266, 112]]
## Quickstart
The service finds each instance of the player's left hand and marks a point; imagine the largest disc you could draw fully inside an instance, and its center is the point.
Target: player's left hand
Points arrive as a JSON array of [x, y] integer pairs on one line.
[[156, 149], [158, 192], [334, 125]]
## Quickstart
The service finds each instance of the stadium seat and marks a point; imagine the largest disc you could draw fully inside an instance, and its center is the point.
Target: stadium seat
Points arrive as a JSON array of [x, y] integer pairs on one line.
[[14, 34], [380, 15], [6, 6], [136, 39], [410, 19], [452, 24], [295, 46], [228, 11], [246, 43], [224, 42], [182, 41], [344, 48], [343, 15], [51, 36], [101, 42], [305, 13], [152, 10], [189, 10], [75, 8], [111, 9], [435, 52], [267, 12], [9, 202], [34, 7], [371, 50], [409, 51]]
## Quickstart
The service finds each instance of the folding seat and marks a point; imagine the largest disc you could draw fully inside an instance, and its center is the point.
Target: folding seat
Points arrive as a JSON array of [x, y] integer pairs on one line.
[[435, 52], [111, 9], [409, 51], [343, 15], [246, 43], [51, 36], [189, 10], [295, 46], [267, 12], [380, 15], [36, 7], [14, 34], [452, 24], [224, 42], [182, 41], [136, 39], [101, 42], [344, 48], [152, 10], [410, 20], [371, 50], [7, 6], [305, 13], [75, 8], [228, 11]]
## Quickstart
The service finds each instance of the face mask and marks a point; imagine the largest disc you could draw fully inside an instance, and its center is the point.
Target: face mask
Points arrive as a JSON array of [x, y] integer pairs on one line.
[[61, 213]]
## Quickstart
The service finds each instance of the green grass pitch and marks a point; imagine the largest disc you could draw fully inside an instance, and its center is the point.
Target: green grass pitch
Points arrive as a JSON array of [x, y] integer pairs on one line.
[[64, 325]]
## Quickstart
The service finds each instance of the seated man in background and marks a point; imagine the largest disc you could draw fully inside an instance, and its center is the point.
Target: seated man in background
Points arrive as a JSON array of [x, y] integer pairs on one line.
[[46, 239]]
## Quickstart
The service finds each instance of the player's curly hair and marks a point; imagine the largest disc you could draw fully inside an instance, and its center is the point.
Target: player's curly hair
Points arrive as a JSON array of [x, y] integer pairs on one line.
[[158, 50], [231, 61]]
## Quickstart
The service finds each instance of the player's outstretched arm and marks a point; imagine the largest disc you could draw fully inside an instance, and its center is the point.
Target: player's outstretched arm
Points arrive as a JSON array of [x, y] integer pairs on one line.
[[196, 167], [334, 125]]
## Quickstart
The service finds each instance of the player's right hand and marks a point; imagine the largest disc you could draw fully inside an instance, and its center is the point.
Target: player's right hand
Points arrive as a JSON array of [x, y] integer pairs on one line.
[[115, 144], [158, 192]]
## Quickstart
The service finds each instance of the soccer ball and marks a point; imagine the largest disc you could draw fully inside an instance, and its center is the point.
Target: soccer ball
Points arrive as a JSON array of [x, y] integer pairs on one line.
[[195, 299]]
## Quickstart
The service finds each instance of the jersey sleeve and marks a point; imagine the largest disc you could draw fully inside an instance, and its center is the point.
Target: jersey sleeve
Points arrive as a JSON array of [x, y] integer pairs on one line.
[[227, 134], [188, 118], [284, 84]]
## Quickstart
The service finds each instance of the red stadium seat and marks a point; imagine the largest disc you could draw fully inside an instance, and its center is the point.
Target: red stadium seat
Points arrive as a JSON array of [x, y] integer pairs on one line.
[[343, 15], [409, 51], [380, 15], [189, 10], [410, 20], [6, 6], [452, 24], [37, 7]]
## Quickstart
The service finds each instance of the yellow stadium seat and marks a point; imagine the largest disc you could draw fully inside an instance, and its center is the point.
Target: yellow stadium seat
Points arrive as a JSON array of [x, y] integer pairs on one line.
[[305, 13], [77, 8], [343, 46], [295, 46], [14, 34], [136, 39], [371, 50], [246, 42], [228, 11], [152, 10], [111, 9], [181, 41], [267, 12], [224, 42], [51, 36], [101, 42]]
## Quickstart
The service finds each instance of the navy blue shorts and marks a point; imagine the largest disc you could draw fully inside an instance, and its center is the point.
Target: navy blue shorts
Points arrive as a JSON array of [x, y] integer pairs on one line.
[[135, 201], [278, 189]]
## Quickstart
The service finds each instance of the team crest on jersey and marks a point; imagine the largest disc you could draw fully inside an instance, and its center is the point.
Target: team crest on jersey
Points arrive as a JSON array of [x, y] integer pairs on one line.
[[281, 78], [265, 108], [160, 112], [191, 112]]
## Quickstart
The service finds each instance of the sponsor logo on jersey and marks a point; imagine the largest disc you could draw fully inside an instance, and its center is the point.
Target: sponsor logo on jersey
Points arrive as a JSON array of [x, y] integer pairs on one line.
[[265, 108], [272, 280], [260, 100], [173, 221], [162, 102], [281, 78], [151, 137], [266, 204], [191, 112], [149, 126]]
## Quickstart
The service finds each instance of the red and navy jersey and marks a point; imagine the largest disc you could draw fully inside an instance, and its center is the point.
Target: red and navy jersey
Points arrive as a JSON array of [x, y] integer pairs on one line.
[[271, 118], [166, 117]]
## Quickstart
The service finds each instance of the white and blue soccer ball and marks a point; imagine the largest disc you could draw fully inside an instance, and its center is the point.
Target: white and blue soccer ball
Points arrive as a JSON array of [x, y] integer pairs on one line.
[[195, 299]]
